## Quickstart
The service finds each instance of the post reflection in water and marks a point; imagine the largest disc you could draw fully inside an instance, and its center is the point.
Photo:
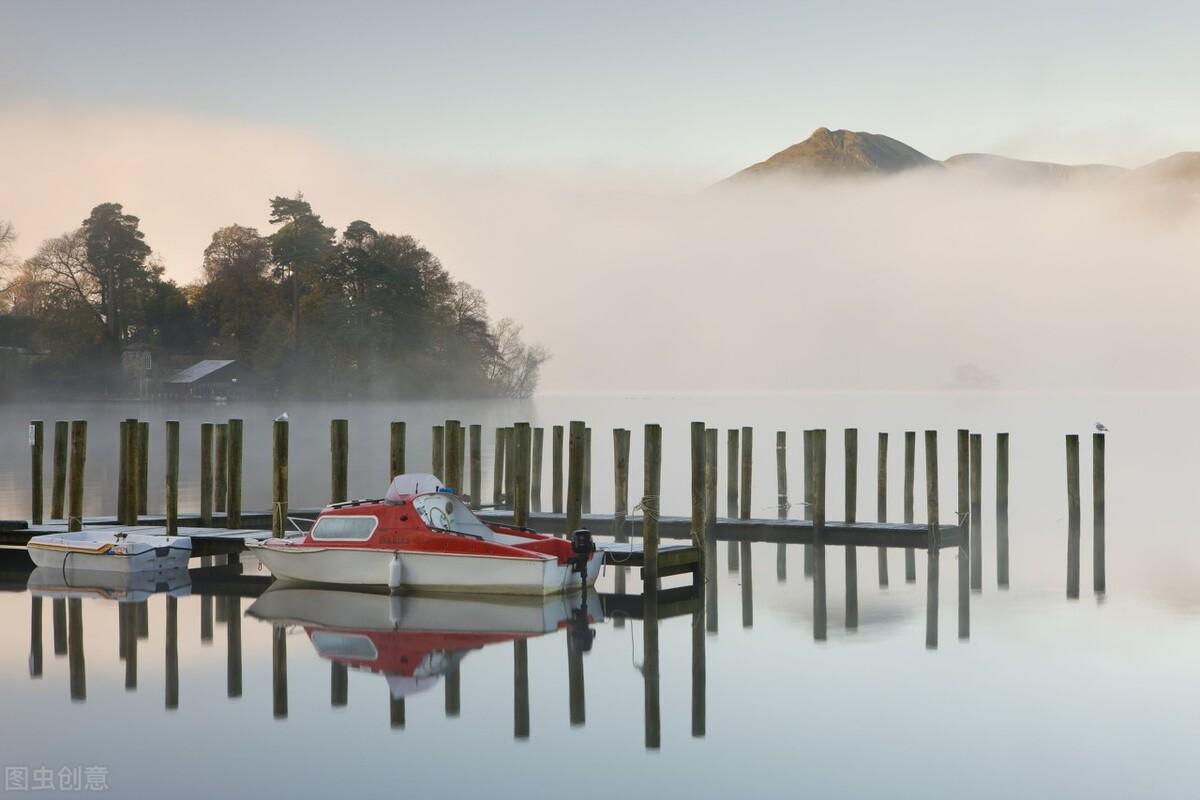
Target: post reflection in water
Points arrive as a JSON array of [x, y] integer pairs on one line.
[[699, 668], [851, 587], [60, 625], [233, 631], [35, 638], [171, 699], [819, 609], [129, 614], [279, 677], [931, 599], [78, 675], [747, 576], [653, 718], [521, 688]]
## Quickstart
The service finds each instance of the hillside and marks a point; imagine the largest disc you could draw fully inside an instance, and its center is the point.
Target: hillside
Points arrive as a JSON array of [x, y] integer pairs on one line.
[[841, 153]]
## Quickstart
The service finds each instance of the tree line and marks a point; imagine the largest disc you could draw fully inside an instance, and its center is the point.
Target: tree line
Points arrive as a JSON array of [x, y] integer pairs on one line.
[[361, 314]]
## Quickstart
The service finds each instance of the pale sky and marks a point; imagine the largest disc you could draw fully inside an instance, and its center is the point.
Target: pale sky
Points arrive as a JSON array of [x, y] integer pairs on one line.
[[698, 87]]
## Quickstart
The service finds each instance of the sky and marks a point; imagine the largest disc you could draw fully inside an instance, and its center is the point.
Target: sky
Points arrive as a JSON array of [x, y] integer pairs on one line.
[[703, 87], [556, 155]]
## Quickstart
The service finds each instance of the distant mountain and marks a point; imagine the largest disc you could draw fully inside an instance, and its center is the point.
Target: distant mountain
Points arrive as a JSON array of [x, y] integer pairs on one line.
[[1016, 170], [841, 153], [1179, 168], [844, 153]]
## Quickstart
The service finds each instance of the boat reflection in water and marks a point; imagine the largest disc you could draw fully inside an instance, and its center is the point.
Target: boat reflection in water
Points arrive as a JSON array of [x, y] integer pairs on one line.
[[124, 587], [414, 640]]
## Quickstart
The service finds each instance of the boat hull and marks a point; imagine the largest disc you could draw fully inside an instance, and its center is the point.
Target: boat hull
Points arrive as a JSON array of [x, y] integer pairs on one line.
[[422, 571], [86, 552]]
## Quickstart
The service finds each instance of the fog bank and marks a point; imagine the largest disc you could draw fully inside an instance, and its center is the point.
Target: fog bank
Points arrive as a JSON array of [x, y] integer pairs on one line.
[[642, 282]]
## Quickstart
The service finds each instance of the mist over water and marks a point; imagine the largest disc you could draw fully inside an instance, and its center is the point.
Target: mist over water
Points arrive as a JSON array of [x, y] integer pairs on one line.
[[645, 280]]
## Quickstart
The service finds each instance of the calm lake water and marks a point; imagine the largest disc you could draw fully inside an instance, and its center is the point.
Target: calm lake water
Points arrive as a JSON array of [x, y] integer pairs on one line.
[[1047, 696]]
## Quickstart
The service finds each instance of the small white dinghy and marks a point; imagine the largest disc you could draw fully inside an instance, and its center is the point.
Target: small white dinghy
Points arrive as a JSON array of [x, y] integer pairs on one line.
[[109, 551]]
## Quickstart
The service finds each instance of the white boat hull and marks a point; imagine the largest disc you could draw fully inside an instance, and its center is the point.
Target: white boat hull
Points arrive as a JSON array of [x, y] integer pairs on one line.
[[99, 552], [421, 571]]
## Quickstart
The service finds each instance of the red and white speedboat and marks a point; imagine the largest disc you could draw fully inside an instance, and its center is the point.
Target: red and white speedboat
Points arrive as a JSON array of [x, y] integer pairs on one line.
[[422, 537]]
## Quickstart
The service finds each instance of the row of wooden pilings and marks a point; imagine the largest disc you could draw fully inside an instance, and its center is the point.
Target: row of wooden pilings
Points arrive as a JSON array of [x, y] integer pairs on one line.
[[456, 458]]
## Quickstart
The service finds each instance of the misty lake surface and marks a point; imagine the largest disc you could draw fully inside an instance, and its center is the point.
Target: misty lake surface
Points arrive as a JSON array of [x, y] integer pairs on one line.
[[1046, 696]]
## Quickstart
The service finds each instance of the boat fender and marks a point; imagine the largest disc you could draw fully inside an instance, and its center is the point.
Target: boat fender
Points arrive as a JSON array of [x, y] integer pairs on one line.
[[394, 574], [395, 612]]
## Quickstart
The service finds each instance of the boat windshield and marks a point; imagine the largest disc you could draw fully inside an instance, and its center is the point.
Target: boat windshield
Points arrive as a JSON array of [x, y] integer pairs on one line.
[[446, 512]]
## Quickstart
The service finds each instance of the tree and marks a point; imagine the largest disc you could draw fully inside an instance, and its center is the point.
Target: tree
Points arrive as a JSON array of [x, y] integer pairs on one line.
[[514, 371], [299, 248], [116, 254], [237, 298]]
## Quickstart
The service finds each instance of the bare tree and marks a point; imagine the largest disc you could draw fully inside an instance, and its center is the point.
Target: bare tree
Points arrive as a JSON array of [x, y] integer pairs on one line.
[[515, 368], [62, 269]]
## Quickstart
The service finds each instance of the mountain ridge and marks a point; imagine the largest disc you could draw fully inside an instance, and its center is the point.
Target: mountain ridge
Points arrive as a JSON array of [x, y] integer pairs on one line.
[[844, 154]]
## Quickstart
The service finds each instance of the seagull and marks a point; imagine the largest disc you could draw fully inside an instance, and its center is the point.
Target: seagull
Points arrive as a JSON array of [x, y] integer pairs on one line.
[[284, 418], [1100, 427]]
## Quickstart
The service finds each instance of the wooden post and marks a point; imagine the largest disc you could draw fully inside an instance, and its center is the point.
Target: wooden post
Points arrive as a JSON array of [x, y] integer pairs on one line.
[[453, 456], [279, 686], [279, 489], [1098, 576], [36, 468], [1073, 523], [808, 497], [697, 449], [851, 515], [574, 478], [935, 539], [510, 466], [976, 512], [963, 442], [58, 487], [498, 469], [651, 505], [535, 471], [132, 471], [881, 503], [521, 441], [221, 468], [143, 473], [233, 505], [339, 460], [396, 446], [781, 500], [931, 490], [620, 484], [556, 469], [744, 509], [171, 489], [851, 483], [75, 475], [711, 444], [438, 457], [206, 474], [818, 520], [910, 461], [734, 465], [587, 470], [123, 473], [1002, 510], [476, 445]]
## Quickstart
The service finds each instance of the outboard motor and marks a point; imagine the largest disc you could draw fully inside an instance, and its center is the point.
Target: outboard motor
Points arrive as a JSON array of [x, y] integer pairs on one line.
[[583, 547]]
